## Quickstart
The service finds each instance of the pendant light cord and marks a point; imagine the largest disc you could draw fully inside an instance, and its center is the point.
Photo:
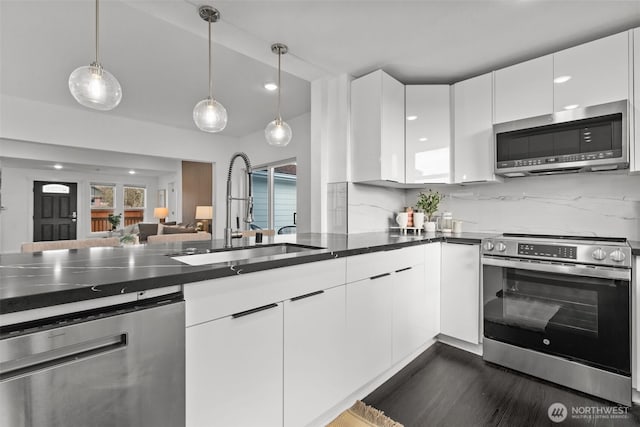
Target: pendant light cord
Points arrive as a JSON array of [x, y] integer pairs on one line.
[[97, 28], [279, 87], [210, 59]]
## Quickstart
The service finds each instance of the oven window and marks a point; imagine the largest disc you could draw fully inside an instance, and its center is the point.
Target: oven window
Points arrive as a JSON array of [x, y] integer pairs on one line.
[[537, 301]]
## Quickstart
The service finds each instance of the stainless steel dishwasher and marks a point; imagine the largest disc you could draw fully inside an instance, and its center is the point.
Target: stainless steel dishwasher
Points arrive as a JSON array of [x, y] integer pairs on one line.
[[118, 366]]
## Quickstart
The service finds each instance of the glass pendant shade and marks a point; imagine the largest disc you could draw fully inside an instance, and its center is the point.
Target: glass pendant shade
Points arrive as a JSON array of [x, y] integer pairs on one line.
[[278, 133], [209, 115], [94, 87]]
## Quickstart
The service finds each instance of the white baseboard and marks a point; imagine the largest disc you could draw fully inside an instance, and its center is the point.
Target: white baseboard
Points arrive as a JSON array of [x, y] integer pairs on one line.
[[363, 391], [462, 345]]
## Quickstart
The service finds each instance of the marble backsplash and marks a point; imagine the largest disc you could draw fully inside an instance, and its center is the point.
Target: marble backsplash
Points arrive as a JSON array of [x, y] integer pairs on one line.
[[592, 204], [589, 204]]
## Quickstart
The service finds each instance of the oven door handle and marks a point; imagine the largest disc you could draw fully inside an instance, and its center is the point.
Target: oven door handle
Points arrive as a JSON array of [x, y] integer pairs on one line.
[[574, 270]]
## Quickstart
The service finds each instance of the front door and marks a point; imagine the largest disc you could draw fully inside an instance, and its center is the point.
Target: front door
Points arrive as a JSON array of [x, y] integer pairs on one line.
[[54, 210]]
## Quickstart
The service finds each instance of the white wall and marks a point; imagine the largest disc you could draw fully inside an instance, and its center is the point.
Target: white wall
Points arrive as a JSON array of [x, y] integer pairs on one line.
[[259, 152], [596, 204]]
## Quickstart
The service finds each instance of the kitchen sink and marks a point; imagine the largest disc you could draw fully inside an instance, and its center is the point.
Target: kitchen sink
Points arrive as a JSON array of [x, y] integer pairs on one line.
[[245, 253]]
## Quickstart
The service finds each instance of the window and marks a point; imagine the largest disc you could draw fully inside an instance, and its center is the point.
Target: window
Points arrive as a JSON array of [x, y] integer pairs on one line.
[[274, 197], [102, 205], [134, 204], [102, 196], [134, 197]]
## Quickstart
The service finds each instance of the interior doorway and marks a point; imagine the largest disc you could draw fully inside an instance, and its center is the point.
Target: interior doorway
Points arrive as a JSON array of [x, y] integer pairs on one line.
[[55, 212]]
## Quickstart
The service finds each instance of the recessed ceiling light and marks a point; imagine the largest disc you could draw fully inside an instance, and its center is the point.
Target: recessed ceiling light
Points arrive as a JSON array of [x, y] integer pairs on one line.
[[562, 79], [132, 172], [423, 139], [270, 86], [411, 117], [571, 107], [57, 166]]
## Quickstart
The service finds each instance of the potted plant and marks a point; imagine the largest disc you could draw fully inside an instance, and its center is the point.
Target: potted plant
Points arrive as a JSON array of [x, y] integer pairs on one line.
[[428, 203], [114, 220]]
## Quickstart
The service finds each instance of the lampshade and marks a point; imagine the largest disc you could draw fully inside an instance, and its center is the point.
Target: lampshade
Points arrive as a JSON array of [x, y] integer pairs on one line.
[[278, 133], [160, 212], [93, 86], [204, 212], [209, 115]]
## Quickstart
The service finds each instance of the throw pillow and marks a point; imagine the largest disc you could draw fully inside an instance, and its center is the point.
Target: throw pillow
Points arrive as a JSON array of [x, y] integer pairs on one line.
[[147, 230]]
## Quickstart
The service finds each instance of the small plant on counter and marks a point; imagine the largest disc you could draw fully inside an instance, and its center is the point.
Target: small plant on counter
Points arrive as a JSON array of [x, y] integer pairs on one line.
[[428, 203], [114, 220]]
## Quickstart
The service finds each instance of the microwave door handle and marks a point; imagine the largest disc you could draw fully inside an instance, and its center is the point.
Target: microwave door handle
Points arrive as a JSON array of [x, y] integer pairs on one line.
[[577, 270]]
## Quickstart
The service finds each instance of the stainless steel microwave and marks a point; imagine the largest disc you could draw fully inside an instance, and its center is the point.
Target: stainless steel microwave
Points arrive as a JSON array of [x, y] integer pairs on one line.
[[588, 139]]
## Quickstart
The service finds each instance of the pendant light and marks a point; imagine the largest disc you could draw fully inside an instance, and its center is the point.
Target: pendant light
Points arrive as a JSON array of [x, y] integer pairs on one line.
[[93, 86], [209, 115], [278, 132]]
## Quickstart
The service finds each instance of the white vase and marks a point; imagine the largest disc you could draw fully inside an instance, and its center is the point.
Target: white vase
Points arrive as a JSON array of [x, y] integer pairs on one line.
[[430, 227]]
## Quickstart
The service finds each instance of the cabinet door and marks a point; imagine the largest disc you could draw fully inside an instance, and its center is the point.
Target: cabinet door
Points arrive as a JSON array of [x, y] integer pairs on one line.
[[634, 165], [473, 130], [409, 311], [428, 135], [314, 354], [524, 90], [598, 71], [377, 122], [460, 292], [234, 370], [432, 289], [369, 310]]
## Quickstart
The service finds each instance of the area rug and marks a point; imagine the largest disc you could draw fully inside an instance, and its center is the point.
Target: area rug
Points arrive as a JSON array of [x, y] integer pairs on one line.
[[361, 415]]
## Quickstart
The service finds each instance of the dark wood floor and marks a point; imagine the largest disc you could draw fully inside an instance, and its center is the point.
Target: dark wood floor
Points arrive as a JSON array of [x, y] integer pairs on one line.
[[446, 386]]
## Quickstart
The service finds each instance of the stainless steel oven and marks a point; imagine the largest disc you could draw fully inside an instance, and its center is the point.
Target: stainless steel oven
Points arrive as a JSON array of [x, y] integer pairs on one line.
[[559, 308]]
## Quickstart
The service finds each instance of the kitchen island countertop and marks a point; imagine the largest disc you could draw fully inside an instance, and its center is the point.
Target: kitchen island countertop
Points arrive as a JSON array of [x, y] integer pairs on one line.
[[42, 279]]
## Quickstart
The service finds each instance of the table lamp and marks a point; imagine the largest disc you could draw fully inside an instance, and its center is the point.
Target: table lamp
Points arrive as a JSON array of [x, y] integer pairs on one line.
[[161, 213], [204, 213]]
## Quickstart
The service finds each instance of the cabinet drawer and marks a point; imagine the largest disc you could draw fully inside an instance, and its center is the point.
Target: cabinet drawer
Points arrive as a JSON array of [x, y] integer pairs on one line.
[[367, 265], [216, 298]]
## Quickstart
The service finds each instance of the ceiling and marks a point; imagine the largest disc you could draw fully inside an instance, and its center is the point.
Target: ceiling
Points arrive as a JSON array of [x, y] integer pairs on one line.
[[157, 48]]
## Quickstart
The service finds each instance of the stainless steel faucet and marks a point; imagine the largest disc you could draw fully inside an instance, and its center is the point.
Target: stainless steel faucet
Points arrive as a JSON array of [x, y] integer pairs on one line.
[[228, 232]]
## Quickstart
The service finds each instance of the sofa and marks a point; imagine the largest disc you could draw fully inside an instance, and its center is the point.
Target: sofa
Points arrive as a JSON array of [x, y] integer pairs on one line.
[[69, 244], [168, 232]]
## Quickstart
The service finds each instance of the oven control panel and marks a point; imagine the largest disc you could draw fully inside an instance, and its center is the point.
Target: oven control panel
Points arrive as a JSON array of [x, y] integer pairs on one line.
[[547, 251]]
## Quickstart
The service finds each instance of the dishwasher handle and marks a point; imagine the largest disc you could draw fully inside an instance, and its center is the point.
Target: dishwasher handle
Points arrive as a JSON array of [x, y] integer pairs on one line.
[[30, 364]]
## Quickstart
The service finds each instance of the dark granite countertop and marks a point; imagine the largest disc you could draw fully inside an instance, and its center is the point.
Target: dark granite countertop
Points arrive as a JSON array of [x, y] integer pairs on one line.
[[635, 247], [42, 279]]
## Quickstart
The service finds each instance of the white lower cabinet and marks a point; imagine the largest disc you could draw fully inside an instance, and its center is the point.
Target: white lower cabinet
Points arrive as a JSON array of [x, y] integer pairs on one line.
[[369, 310], [314, 354], [234, 370], [460, 292], [409, 311]]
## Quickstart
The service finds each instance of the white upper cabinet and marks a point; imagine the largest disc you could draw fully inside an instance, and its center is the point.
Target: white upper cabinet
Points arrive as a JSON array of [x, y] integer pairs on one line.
[[634, 165], [428, 134], [598, 72], [377, 121], [473, 131], [524, 90]]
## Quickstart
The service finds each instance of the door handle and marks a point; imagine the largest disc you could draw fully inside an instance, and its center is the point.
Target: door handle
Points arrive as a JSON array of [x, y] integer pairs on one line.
[[254, 310]]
